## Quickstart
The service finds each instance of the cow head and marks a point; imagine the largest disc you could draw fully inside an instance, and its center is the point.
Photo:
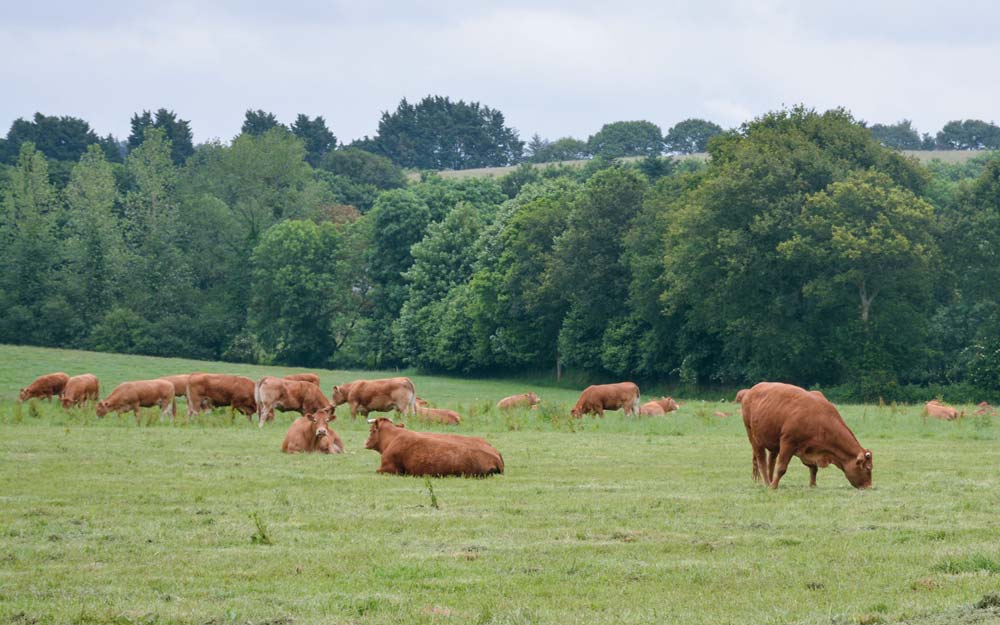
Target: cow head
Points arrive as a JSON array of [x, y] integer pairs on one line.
[[101, 408], [24, 394], [669, 404], [377, 426], [533, 397], [859, 469], [339, 394], [65, 401], [318, 422], [576, 412]]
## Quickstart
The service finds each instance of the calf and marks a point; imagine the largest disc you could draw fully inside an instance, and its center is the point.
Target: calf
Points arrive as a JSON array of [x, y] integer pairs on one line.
[[305, 397], [312, 433], [439, 415], [367, 396], [597, 398], [209, 390], [405, 452], [659, 407], [44, 387], [524, 400], [80, 389], [141, 394], [786, 421]]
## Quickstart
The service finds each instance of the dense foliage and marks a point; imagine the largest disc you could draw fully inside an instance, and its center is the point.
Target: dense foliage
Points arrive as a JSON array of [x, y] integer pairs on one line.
[[803, 250]]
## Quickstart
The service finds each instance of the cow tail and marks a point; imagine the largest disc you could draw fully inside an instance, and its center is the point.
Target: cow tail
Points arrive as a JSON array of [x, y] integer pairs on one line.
[[257, 400], [187, 396], [635, 405], [173, 408], [412, 406]]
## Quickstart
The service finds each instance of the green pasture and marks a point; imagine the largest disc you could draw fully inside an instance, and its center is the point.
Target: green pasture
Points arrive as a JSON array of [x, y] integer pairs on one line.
[[614, 520]]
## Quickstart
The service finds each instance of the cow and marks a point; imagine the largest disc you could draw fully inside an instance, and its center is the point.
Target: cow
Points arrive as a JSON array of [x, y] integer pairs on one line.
[[421, 403], [439, 415], [936, 409], [140, 394], [740, 394], [311, 433], [311, 378], [366, 396], [722, 415], [210, 390], [787, 421], [405, 452], [984, 407], [659, 407], [597, 398], [44, 387], [524, 400], [289, 395], [80, 389]]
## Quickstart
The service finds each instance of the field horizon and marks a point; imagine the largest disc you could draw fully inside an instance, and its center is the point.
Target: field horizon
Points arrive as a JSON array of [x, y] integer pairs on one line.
[[613, 520]]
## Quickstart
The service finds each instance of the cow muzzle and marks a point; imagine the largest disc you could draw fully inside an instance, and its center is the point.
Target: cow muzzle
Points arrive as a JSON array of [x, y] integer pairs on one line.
[[320, 433]]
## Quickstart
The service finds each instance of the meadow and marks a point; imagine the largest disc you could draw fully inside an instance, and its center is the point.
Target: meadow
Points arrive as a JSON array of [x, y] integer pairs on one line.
[[614, 520]]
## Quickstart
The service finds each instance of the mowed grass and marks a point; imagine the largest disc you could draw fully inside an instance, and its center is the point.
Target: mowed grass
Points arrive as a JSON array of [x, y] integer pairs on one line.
[[614, 520]]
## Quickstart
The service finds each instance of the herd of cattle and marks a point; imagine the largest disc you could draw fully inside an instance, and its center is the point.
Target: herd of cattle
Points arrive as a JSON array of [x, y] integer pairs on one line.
[[781, 420]]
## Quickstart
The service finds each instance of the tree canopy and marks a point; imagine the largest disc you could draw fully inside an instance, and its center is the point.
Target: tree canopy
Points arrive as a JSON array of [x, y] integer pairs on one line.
[[690, 136]]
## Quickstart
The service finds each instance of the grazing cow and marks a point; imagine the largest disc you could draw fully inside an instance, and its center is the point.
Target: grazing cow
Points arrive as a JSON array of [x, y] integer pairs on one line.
[[366, 396], [659, 407], [44, 387], [311, 378], [289, 395], [439, 415], [600, 397], [936, 409], [788, 421], [211, 390], [524, 400], [141, 394], [405, 452], [80, 389], [312, 433]]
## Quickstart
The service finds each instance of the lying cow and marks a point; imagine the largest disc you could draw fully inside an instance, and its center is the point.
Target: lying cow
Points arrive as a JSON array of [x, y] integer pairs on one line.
[[439, 415], [272, 393], [524, 400], [405, 452], [312, 433], [786, 421], [659, 407], [600, 397], [44, 387], [311, 378], [984, 407], [367, 396], [211, 390], [80, 389], [936, 409], [141, 394]]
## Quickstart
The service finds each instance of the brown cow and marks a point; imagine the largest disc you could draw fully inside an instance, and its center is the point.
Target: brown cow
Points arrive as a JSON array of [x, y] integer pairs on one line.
[[597, 398], [524, 400], [211, 390], [659, 407], [740, 394], [788, 421], [366, 396], [405, 452], [289, 395], [984, 407], [80, 389], [180, 383], [439, 415], [936, 409], [45, 386], [311, 378], [141, 394], [312, 433]]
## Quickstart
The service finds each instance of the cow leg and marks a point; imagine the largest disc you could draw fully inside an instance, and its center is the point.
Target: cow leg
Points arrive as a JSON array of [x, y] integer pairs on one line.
[[784, 455], [760, 464], [772, 457], [813, 470], [138, 418]]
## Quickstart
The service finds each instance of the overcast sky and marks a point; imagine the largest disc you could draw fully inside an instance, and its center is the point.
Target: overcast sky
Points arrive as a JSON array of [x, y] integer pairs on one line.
[[552, 67]]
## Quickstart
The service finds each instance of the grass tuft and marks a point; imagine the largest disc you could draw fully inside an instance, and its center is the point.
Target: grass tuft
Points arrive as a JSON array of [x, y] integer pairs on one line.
[[261, 536], [969, 564]]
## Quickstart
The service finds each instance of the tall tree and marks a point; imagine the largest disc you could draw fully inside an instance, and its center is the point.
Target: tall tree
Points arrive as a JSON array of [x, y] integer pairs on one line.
[[900, 136], [970, 134], [437, 133], [175, 129], [635, 138], [564, 149], [315, 135], [58, 138], [691, 135], [258, 122]]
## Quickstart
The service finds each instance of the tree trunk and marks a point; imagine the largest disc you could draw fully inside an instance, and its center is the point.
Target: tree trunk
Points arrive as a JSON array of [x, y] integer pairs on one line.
[[558, 367], [866, 300]]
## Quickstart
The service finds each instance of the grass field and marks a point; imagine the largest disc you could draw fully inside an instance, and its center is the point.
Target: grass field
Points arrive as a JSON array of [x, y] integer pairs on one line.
[[620, 520]]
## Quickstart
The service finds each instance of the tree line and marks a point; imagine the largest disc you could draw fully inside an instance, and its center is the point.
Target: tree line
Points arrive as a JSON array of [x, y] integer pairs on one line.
[[801, 250]]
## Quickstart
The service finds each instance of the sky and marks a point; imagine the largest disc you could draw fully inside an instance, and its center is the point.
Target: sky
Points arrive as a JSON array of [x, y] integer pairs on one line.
[[556, 68]]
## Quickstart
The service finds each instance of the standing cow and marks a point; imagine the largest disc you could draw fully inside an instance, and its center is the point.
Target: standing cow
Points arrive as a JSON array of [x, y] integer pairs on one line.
[[141, 394], [367, 396], [44, 386], [312, 433], [405, 452], [785, 421], [272, 393], [210, 390], [80, 389], [597, 398]]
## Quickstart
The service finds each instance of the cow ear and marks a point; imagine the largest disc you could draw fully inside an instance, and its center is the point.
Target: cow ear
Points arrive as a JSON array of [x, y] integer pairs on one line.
[[311, 417]]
